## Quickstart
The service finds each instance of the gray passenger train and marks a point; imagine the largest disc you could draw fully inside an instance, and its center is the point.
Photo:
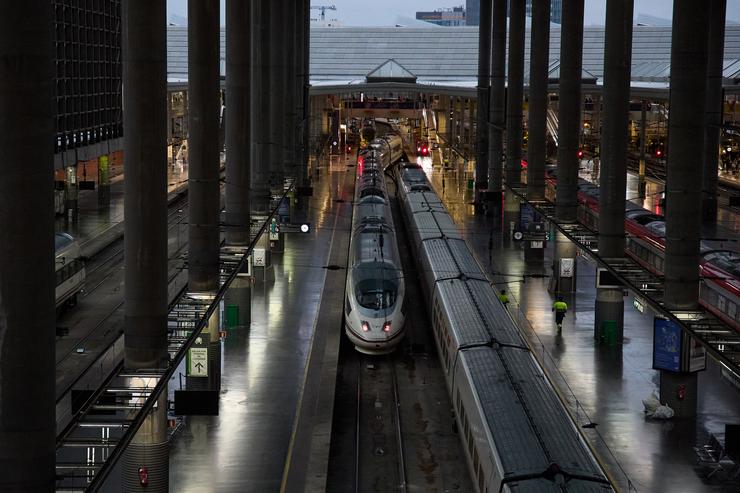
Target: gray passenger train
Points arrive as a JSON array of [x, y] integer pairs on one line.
[[515, 431], [374, 306]]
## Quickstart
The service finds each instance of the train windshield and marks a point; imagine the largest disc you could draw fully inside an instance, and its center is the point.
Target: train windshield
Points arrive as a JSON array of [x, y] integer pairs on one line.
[[376, 294]]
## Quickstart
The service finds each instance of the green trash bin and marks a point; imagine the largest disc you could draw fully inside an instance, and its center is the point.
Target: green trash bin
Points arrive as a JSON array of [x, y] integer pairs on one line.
[[232, 315], [470, 184], [609, 332]]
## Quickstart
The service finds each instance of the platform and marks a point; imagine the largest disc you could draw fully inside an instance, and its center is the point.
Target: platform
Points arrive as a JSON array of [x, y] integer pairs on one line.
[[96, 225], [602, 386], [245, 448]]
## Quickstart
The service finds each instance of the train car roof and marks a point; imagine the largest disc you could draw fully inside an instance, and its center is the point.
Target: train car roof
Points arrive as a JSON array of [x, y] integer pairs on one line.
[[556, 431], [425, 225], [451, 258], [466, 326], [497, 320], [530, 428], [517, 446], [62, 240], [725, 260], [447, 225]]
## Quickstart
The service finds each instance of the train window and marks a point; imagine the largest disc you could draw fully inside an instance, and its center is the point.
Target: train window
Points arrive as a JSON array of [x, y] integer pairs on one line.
[[376, 294], [732, 310]]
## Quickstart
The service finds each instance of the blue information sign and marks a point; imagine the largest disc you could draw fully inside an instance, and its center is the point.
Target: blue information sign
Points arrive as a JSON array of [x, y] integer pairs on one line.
[[526, 216], [666, 345]]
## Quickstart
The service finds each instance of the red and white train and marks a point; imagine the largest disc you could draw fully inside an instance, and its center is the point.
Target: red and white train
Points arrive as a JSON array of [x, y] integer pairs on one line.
[[720, 268]]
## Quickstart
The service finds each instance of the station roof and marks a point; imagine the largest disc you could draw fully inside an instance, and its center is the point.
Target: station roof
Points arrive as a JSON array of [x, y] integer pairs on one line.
[[342, 57]]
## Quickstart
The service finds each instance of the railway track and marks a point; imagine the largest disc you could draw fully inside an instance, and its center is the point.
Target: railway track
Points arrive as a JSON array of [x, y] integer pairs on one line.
[[380, 463], [112, 262]]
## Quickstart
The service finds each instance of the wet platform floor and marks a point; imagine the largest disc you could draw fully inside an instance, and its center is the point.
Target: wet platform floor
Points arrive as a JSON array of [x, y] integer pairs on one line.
[[263, 366], [604, 386]]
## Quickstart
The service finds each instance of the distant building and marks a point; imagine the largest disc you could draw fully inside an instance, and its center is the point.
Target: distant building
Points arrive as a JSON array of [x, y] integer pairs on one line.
[[472, 8], [444, 17], [472, 12]]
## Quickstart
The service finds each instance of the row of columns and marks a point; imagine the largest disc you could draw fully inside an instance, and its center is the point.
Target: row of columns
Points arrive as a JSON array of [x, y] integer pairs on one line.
[[27, 411], [694, 128]]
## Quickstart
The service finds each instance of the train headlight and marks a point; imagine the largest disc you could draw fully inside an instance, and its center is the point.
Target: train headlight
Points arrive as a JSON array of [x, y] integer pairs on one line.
[[365, 327], [387, 327]]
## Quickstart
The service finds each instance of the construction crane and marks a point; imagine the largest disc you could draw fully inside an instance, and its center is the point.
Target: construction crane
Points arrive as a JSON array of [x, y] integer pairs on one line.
[[323, 9]]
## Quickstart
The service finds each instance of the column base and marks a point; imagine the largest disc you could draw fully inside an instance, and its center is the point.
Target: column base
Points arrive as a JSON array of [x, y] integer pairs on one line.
[[609, 317]]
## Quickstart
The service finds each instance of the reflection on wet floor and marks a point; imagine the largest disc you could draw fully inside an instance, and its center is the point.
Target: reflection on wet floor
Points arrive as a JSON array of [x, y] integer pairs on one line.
[[244, 448], [93, 218]]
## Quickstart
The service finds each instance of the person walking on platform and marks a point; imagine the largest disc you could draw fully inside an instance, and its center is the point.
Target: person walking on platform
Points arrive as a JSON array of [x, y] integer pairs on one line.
[[560, 308], [504, 298]]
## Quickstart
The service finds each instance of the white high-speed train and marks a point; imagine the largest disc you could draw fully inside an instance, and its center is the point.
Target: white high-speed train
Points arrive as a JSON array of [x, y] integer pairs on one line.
[[374, 307], [515, 431], [70, 269]]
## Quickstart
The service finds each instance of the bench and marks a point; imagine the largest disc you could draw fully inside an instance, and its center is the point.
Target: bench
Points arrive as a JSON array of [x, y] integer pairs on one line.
[[712, 457]]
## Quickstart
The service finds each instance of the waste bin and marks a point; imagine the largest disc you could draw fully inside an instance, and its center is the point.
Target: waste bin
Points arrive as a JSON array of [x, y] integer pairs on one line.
[[232, 315], [470, 184]]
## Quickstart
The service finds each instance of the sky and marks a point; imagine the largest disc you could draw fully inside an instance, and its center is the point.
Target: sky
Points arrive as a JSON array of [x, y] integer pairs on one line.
[[386, 12]]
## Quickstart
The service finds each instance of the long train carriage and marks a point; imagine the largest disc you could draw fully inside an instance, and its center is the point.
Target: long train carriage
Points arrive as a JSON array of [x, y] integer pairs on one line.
[[375, 302], [515, 431], [70, 269], [720, 269]]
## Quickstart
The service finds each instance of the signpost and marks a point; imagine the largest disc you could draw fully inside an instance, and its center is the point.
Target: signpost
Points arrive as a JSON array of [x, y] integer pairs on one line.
[[197, 362]]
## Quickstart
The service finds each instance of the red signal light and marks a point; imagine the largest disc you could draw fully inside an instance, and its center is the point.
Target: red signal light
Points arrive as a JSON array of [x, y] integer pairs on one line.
[[658, 152], [580, 153]]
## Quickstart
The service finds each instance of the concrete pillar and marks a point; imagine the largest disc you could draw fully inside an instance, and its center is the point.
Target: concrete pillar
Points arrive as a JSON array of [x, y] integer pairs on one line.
[[104, 180], [569, 115], [564, 269], [238, 128], [609, 310], [145, 208], [306, 21], [277, 94], [260, 105], [686, 127], [484, 85], [27, 281], [240, 295], [614, 139], [714, 109], [512, 205], [538, 100], [203, 115], [289, 74], [300, 85], [211, 335], [497, 105], [145, 239], [148, 449], [203, 178], [515, 95]]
